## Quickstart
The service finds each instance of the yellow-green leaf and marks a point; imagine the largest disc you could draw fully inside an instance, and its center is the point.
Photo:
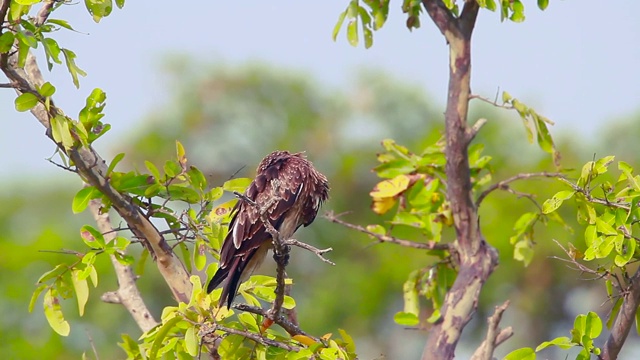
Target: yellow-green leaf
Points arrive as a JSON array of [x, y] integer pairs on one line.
[[82, 290], [352, 32], [82, 198], [53, 313], [36, 294], [191, 341]]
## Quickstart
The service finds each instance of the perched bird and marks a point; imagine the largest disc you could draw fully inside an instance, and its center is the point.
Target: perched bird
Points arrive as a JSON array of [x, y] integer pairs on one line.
[[293, 190]]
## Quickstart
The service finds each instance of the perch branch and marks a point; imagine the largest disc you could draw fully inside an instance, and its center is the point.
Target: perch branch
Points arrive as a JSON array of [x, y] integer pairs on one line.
[[93, 170], [502, 185], [127, 293], [429, 245], [290, 327], [209, 330], [495, 335]]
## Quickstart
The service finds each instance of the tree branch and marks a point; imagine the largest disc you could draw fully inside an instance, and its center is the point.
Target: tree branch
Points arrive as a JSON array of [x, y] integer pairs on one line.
[[127, 294], [502, 185], [495, 336], [290, 327], [93, 170], [208, 331], [44, 12], [624, 320], [429, 245], [478, 259]]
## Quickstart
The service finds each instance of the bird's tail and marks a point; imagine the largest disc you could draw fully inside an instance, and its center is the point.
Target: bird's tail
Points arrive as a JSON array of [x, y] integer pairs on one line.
[[233, 274]]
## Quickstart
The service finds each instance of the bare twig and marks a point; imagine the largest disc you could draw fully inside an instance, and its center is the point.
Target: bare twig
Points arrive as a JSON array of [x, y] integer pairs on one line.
[[429, 245], [127, 293], [494, 333], [475, 128], [3, 85], [492, 102], [502, 185], [319, 252], [209, 329]]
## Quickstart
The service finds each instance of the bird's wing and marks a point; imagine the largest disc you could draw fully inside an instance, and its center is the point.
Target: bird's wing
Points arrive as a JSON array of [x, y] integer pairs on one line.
[[246, 230]]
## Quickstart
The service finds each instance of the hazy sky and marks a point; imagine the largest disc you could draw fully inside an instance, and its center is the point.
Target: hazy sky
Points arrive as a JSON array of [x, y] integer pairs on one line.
[[576, 62]]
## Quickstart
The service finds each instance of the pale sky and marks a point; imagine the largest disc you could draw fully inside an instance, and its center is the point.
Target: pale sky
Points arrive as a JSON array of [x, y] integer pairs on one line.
[[576, 62]]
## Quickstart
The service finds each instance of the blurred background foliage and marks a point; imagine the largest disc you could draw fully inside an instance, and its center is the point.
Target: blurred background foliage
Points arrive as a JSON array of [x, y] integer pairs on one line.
[[228, 118]]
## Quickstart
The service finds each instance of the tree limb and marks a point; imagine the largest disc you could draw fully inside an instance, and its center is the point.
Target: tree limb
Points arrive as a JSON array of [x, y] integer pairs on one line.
[[429, 245], [624, 320], [495, 336], [290, 327], [478, 259], [208, 331], [127, 293]]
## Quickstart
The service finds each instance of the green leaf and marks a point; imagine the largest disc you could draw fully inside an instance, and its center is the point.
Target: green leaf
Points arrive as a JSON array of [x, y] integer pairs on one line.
[[336, 29], [99, 8], [518, 11], [6, 41], [605, 228], [35, 295], [561, 342], [191, 341], [542, 4], [92, 237], [161, 333], [120, 4], [199, 254], [556, 201], [352, 32], [82, 198], [189, 195], [521, 354], [406, 319], [51, 51], [114, 162], [239, 184], [56, 271], [593, 325], [82, 290], [26, 102], [53, 313], [614, 313], [523, 252], [27, 2], [61, 131], [74, 70]]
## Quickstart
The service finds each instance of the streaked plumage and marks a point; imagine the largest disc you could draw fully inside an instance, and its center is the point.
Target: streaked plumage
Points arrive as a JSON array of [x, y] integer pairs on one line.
[[300, 190]]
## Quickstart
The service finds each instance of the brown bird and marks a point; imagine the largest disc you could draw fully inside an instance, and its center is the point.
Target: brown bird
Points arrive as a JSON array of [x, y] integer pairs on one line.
[[294, 189]]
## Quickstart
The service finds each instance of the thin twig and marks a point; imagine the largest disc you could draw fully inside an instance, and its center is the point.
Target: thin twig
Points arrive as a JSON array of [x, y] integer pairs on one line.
[[8, 86], [44, 12], [429, 245], [502, 185], [492, 102], [319, 252], [486, 349]]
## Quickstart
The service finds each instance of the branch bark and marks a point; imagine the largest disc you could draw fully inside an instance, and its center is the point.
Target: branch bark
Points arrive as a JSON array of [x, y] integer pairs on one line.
[[624, 320], [495, 336], [478, 259], [127, 293]]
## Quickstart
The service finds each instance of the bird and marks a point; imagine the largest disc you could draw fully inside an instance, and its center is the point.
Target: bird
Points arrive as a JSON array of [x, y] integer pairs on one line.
[[290, 191]]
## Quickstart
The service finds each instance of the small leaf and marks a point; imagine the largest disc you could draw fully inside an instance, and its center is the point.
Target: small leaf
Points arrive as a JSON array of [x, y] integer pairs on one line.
[[390, 188], [82, 198], [561, 342], [6, 41], [36, 294], [59, 269], [82, 290], [556, 201], [336, 29], [191, 341], [238, 184], [53, 313], [26, 102], [521, 354], [74, 70], [593, 325], [406, 319], [352, 32], [542, 4], [114, 162]]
